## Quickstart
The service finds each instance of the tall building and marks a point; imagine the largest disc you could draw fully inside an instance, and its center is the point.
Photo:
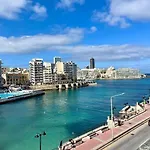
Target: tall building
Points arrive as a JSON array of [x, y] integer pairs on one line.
[[48, 70], [60, 68], [92, 63], [71, 70], [36, 71], [57, 59], [0, 73]]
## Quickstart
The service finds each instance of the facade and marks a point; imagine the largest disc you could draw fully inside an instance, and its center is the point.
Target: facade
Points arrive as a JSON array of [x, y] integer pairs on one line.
[[16, 78], [92, 63], [36, 71], [0, 73], [126, 73], [71, 70], [48, 70], [60, 68], [57, 59]]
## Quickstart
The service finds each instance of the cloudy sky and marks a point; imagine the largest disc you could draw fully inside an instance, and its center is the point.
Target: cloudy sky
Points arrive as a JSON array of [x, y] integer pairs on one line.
[[114, 32]]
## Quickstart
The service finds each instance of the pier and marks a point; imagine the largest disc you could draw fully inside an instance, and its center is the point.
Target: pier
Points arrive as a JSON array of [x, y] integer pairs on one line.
[[104, 136]]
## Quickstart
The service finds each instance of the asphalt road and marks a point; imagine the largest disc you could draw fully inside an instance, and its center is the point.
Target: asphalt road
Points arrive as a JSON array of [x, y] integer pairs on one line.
[[133, 140]]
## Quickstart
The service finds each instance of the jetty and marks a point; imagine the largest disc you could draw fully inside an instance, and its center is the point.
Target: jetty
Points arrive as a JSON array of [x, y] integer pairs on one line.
[[104, 136]]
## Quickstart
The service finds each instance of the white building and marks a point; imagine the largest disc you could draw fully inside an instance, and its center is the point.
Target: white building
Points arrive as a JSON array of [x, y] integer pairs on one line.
[[60, 68], [36, 71], [0, 73], [57, 59], [127, 73], [48, 70]]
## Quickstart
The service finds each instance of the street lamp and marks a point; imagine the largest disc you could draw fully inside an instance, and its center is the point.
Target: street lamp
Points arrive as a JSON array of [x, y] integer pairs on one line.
[[39, 135], [111, 105]]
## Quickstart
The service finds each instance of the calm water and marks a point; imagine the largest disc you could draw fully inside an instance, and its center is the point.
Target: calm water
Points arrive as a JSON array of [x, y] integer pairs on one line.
[[63, 114]]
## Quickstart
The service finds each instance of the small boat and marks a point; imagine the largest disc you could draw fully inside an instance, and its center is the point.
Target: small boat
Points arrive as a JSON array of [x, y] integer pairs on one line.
[[91, 83]]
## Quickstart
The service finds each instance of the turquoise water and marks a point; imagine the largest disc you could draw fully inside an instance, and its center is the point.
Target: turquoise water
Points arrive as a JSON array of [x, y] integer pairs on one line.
[[6, 95], [65, 114]]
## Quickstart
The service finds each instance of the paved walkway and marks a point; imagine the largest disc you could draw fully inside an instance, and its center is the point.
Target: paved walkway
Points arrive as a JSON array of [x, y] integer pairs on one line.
[[103, 138]]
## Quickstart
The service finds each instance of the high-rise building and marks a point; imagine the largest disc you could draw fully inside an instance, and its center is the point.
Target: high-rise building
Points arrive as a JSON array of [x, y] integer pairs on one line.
[[48, 70], [60, 68], [57, 59], [36, 71], [92, 63], [0, 73], [71, 70]]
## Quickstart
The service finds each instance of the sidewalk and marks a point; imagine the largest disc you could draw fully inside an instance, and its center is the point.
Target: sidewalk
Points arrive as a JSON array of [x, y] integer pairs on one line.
[[102, 139]]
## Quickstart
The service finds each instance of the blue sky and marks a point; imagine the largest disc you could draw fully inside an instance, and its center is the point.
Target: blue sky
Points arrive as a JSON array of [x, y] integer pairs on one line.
[[114, 32]]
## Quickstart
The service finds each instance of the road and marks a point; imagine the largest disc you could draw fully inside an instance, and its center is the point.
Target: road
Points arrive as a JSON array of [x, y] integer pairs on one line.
[[133, 140]]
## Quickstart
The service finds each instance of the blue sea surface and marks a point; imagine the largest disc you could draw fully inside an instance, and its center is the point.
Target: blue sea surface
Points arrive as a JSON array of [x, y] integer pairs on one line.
[[64, 114]]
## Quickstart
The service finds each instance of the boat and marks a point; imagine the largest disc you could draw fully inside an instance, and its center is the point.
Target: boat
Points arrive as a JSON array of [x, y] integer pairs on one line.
[[91, 83]]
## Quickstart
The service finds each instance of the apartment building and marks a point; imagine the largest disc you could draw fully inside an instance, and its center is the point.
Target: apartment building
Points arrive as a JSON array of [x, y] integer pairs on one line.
[[36, 71]]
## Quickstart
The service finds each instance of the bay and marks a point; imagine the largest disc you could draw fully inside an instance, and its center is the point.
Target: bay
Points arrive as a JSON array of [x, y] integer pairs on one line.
[[64, 114]]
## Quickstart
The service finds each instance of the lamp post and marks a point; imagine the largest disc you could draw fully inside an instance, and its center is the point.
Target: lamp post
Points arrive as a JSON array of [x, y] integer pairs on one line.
[[39, 135], [111, 105]]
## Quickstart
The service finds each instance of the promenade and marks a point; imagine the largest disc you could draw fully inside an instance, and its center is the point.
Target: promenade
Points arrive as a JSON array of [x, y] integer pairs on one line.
[[101, 140]]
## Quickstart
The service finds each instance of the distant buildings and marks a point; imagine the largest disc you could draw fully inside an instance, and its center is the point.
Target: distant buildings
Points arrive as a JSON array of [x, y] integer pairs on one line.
[[57, 59], [15, 76], [109, 73], [36, 71], [92, 63], [48, 73]]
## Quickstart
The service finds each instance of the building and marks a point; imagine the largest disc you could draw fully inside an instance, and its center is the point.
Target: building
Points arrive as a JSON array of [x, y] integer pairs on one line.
[[71, 70], [92, 63], [16, 78], [127, 73], [36, 71], [68, 69], [57, 59], [60, 68], [0, 73], [48, 70]]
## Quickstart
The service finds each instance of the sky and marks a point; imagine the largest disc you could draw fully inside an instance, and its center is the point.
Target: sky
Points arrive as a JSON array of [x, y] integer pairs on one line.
[[114, 32]]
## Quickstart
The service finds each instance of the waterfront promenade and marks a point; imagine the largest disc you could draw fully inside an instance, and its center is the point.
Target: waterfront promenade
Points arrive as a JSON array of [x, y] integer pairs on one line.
[[101, 140]]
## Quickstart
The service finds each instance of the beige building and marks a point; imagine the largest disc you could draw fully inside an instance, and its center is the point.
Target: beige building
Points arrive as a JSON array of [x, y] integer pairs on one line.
[[15, 78]]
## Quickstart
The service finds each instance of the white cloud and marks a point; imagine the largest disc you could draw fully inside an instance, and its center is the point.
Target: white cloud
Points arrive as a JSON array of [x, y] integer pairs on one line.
[[122, 11], [93, 29], [12, 9], [106, 52], [27, 44], [39, 11], [69, 4], [65, 43]]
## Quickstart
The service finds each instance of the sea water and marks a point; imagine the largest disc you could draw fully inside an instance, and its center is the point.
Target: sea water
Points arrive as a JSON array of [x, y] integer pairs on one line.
[[64, 114]]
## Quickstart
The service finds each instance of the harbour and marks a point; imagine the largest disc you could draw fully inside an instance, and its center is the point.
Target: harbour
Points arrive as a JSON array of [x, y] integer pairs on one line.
[[64, 114]]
